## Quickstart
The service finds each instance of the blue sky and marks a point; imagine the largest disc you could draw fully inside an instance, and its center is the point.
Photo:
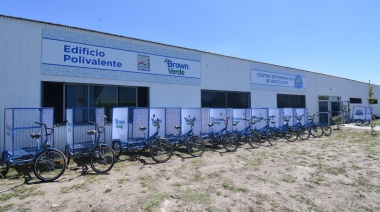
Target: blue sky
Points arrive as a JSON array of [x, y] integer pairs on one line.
[[339, 37]]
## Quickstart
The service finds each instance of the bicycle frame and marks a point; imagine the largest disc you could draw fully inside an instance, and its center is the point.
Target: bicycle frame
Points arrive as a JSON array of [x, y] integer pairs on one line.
[[8, 157]]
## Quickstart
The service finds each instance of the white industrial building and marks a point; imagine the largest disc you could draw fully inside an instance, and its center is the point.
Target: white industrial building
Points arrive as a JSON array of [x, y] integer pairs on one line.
[[49, 65]]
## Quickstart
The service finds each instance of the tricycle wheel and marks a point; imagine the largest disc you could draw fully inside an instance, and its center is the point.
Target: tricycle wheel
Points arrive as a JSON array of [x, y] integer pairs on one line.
[[116, 147], [5, 166]]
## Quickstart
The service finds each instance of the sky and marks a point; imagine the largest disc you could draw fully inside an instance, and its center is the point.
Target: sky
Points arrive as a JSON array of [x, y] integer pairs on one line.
[[339, 38]]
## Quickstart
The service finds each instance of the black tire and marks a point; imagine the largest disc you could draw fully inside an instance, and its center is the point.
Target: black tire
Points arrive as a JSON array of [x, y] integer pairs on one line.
[[291, 135], [230, 142], [359, 122], [5, 166], [316, 131], [116, 147], [102, 159], [196, 146], [303, 133], [161, 150], [215, 139], [49, 165], [271, 137], [327, 130], [67, 155], [254, 140]]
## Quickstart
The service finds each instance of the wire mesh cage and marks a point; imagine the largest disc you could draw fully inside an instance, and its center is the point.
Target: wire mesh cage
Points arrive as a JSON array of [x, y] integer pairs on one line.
[[140, 118], [79, 123], [173, 118], [259, 114], [302, 114], [191, 116], [240, 117], [217, 117], [290, 112], [20, 124], [276, 115], [157, 122]]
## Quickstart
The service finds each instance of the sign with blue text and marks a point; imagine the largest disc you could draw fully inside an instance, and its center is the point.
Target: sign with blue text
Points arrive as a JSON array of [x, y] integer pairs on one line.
[[120, 124], [277, 79], [69, 54]]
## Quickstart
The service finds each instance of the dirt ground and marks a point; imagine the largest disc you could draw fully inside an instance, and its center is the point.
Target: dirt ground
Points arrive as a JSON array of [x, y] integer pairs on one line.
[[336, 173]]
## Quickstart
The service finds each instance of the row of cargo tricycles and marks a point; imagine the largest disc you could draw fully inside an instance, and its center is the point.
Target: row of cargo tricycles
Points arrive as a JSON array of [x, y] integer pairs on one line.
[[158, 130]]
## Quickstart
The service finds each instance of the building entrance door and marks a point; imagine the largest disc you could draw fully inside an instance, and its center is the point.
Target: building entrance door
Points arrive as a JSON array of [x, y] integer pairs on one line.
[[329, 106]]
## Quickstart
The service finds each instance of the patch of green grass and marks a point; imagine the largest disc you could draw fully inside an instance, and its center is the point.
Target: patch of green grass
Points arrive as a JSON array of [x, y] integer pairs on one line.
[[302, 152], [331, 170], [108, 190], [355, 167], [317, 180], [213, 175], [367, 209], [198, 162], [123, 180], [192, 196], [288, 178], [335, 170], [22, 192], [211, 208], [145, 181], [197, 177], [327, 144], [155, 199], [308, 201], [227, 184], [91, 178], [6, 207], [73, 187], [266, 180], [256, 161], [177, 184]]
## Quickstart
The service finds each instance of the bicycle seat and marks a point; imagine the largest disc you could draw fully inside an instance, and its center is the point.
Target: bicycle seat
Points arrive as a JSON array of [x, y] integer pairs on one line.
[[142, 128], [91, 132], [210, 124], [235, 123], [35, 135]]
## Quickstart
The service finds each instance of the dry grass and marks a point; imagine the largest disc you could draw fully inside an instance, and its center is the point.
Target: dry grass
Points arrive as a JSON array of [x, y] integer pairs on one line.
[[335, 173]]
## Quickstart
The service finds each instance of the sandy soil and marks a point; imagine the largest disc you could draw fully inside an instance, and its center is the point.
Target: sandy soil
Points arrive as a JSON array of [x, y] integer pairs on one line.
[[336, 173]]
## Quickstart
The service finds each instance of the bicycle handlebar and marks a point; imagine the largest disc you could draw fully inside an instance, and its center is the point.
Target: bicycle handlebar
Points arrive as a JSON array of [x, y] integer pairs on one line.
[[46, 128], [97, 126]]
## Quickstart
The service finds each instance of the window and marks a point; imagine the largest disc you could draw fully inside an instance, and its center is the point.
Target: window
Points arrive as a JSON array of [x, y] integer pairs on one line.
[[76, 96], [291, 101], [127, 96], [103, 96], [225, 99], [373, 101], [62, 96], [53, 97], [323, 98], [355, 100]]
